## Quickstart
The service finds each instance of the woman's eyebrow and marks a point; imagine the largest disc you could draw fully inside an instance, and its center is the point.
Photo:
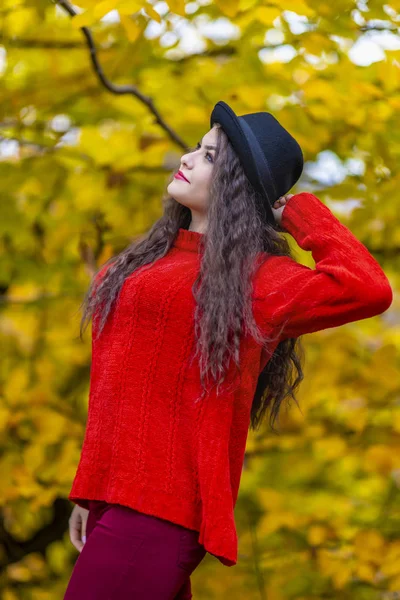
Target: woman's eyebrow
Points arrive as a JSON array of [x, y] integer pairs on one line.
[[208, 147]]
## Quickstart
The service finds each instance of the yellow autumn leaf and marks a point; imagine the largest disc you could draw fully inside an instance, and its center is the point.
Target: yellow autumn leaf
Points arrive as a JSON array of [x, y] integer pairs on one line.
[[273, 521], [382, 110], [356, 118], [85, 19], [379, 458], [17, 381], [177, 7], [26, 290], [67, 460], [96, 144], [86, 3], [267, 14], [26, 484], [244, 19], [382, 363], [16, 21], [366, 89], [394, 584], [4, 415], [328, 563], [314, 43], [314, 430], [152, 12], [391, 565], [396, 420], [106, 253], [246, 5], [104, 7], [32, 186], [131, 27], [196, 114], [270, 499], [87, 191], [394, 103], [298, 6], [369, 545], [130, 7], [55, 557], [45, 497], [317, 534], [319, 111], [317, 88], [9, 594], [365, 572], [33, 455], [342, 576], [45, 369], [329, 448], [230, 8], [252, 96], [51, 425], [19, 572], [388, 76]]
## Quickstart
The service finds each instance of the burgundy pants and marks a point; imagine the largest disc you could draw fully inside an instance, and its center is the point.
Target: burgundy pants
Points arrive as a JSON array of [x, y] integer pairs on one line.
[[129, 555]]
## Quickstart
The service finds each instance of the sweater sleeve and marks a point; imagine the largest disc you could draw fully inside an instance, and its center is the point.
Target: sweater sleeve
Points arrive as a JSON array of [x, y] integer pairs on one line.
[[347, 284]]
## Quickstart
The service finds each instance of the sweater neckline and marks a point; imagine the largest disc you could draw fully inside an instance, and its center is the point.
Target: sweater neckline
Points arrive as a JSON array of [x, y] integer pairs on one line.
[[188, 240]]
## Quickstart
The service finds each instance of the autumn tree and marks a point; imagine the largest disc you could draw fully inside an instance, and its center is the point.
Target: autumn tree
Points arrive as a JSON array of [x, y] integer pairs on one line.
[[99, 100]]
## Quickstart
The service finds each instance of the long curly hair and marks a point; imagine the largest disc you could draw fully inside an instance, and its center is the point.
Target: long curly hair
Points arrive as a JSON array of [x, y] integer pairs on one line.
[[236, 234]]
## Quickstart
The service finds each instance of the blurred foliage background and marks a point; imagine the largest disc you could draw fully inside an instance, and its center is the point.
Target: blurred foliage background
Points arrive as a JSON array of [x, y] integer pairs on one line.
[[83, 170]]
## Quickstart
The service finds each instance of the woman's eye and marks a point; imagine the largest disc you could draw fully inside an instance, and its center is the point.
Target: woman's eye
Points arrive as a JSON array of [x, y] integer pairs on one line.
[[207, 153]]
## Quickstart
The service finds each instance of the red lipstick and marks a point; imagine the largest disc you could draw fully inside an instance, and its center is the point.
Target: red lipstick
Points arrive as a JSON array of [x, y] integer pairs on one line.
[[180, 175]]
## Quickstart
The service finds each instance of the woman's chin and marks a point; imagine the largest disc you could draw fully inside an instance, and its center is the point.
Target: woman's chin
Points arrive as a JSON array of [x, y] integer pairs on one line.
[[174, 190], [176, 183]]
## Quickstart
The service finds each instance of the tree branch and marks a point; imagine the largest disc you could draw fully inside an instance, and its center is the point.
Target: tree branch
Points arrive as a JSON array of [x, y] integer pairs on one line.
[[367, 27], [47, 44], [121, 89]]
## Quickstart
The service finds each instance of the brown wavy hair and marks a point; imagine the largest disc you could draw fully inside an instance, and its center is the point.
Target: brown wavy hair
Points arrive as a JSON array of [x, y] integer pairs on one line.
[[236, 234]]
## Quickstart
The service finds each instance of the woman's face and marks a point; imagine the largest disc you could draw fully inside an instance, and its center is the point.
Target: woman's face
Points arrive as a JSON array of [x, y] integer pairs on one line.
[[197, 167]]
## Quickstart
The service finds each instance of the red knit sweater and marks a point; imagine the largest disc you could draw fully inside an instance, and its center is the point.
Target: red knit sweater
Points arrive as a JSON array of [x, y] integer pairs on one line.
[[147, 445]]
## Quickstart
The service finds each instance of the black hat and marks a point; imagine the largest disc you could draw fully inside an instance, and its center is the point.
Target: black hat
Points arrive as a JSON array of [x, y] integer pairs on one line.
[[272, 159]]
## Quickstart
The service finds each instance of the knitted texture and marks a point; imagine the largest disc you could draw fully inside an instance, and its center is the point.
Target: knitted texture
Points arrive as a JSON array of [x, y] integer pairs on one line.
[[148, 444]]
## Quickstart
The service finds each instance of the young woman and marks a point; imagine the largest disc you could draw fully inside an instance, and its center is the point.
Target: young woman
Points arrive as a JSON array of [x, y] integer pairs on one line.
[[195, 335]]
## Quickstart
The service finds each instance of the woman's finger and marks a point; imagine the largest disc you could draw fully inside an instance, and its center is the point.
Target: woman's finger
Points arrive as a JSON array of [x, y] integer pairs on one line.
[[75, 536], [83, 530]]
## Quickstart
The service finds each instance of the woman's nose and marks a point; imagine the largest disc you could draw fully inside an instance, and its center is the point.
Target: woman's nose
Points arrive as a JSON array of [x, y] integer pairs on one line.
[[185, 163]]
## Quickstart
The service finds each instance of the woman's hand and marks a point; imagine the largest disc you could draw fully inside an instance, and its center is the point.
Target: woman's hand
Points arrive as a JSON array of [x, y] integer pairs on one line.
[[77, 526], [278, 207]]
